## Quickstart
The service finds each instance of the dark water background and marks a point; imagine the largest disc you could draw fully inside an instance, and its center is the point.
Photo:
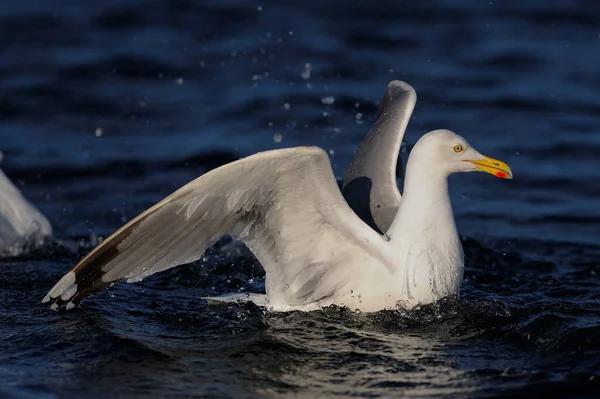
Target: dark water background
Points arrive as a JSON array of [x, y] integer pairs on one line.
[[108, 106]]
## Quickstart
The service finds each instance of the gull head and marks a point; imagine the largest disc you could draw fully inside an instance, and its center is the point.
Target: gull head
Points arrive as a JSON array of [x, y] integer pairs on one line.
[[446, 152]]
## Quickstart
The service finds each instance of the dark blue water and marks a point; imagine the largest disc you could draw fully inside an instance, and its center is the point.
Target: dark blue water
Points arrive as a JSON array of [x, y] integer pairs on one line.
[[108, 106]]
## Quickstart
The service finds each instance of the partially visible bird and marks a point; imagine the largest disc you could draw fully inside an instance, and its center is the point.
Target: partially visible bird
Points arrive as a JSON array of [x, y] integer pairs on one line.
[[22, 226]]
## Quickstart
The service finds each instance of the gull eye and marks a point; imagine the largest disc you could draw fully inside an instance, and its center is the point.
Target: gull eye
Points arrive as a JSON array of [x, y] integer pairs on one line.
[[458, 148]]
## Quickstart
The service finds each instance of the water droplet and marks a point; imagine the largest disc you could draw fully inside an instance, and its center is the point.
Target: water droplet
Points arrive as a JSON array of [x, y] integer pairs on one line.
[[277, 137], [358, 118], [329, 100], [307, 71], [99, 132]]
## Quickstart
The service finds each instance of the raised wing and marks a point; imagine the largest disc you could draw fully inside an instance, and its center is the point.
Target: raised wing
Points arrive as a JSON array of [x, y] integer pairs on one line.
[[370, 185], [284, 204]]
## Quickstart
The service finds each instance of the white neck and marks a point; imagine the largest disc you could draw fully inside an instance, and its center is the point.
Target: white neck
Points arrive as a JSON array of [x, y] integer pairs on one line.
[[423, 234], [425, 202]]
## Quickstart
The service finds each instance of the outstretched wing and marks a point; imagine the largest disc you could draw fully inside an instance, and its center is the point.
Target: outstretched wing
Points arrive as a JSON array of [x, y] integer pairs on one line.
[[284, 204], [370, 185]]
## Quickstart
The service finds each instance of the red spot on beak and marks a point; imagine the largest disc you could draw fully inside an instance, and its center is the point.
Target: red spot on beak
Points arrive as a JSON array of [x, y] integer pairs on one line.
[[502, 175]]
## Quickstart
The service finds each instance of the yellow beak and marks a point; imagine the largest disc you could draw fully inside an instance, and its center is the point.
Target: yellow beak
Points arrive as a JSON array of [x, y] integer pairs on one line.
[[494, 167]]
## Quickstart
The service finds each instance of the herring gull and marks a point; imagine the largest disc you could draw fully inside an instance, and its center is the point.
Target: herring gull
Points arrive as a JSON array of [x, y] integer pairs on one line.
[[22, 226], [286, 207]]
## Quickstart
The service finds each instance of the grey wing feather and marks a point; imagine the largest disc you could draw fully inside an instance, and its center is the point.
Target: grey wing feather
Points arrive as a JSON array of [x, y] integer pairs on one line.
[[284, 204], [370, 185]]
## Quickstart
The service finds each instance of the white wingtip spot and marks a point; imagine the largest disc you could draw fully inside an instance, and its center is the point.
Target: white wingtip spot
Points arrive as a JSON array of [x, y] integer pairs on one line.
[[70, 305], [54, 306], [63, 285], [46, 299], [68, 294]]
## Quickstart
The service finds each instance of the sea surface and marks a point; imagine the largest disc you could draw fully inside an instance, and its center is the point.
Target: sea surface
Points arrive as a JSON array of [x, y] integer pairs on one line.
[[108, 106]]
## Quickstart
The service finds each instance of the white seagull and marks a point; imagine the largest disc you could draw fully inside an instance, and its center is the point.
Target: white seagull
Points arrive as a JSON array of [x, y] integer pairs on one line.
[[286, 207], [22, 226]]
